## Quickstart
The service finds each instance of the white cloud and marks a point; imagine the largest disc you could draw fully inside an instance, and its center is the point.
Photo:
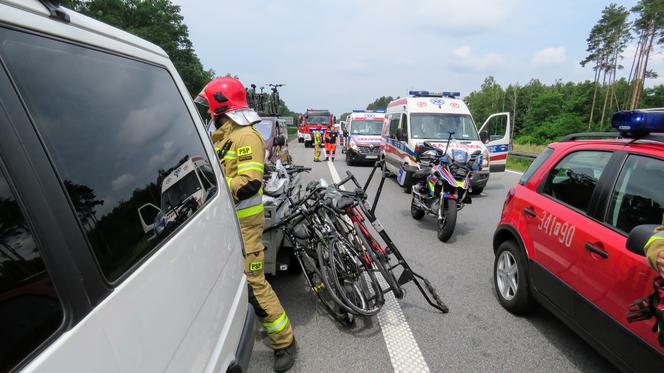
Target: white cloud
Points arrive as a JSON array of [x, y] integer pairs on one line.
[[463, 57], [122, 181], [168, 150], [550, 56]]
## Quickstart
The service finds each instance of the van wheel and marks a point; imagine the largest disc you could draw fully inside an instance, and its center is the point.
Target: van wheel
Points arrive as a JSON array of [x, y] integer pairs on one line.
[[294, 267], [349, 162], [511, 280]]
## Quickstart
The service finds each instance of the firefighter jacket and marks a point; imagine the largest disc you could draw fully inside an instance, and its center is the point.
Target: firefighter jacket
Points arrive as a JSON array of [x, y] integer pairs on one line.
[[654, 246], [243, 160]]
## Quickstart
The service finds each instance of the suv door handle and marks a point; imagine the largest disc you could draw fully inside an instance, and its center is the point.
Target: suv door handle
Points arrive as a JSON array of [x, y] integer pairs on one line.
[[592, 248], [528, 211]]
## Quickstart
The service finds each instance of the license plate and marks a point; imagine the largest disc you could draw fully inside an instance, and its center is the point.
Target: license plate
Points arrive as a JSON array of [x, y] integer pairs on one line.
[[307, 137], [371, 157]]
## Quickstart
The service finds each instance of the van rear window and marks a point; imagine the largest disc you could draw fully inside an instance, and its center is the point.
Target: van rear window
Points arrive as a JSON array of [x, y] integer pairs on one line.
[[115, 128]]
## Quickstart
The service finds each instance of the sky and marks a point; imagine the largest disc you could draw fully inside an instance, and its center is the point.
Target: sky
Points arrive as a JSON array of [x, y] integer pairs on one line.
[[341, 55]]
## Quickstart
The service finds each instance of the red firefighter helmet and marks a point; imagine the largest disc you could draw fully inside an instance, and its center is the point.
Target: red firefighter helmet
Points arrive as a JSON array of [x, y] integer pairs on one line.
[[227, 95]]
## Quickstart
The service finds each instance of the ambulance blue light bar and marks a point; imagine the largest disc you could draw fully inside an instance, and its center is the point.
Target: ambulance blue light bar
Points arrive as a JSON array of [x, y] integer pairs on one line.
[[358, 111], [434, 94], [638, 123], [368, 111], [379, 111]]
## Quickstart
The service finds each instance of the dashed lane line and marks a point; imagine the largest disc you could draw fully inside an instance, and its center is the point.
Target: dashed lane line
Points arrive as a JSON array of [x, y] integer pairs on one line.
[[405, 354]]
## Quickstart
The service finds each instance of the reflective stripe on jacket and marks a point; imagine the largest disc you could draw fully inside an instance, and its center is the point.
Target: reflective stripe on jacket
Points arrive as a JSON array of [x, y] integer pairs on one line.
[[654, 246]]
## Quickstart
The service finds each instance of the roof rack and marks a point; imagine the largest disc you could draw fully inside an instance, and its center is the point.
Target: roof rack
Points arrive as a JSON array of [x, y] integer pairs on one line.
[[592, 135], [658, 137]]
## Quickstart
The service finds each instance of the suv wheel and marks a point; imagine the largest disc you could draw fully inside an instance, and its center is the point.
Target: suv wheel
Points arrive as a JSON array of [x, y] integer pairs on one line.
[[510, 279]]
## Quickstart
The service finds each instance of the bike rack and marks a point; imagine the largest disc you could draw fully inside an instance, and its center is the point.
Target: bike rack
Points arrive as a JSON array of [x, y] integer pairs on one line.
[[408, 273]]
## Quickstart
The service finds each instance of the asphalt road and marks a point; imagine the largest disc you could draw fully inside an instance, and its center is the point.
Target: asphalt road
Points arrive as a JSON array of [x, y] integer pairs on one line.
[[477, 335]]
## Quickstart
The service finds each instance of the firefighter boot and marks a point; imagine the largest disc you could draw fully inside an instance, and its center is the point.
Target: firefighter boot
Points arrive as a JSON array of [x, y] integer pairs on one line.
[[284, 358]]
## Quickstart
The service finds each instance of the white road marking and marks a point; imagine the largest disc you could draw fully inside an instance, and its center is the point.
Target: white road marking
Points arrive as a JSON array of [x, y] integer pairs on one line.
[[514, 172], [405, 354]]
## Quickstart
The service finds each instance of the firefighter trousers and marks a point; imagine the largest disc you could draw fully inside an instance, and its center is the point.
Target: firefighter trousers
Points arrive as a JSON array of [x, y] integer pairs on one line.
[[316, 151], [261, 295]]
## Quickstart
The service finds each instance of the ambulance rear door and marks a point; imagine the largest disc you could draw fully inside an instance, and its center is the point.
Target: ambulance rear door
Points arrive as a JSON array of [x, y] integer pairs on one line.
[[496, 134]]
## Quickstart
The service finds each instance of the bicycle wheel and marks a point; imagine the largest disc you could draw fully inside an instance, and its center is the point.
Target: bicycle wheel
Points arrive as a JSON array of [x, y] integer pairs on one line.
[[380, 261], [315, 281], [357, 285]]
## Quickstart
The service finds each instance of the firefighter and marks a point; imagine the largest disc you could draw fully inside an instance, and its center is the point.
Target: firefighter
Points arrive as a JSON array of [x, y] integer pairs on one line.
[[317, 141], [242, 152], [330, 143], [654, 249]]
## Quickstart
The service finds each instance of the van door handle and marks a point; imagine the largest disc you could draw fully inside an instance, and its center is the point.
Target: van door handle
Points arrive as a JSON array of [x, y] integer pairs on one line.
[[528, 211], [594, 249]]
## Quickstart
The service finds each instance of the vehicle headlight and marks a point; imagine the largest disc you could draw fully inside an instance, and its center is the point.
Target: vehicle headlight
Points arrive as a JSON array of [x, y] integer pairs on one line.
[[353, 145], [485, 159]]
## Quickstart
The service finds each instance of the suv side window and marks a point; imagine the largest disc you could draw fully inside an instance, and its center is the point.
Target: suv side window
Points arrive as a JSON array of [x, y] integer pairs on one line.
[[115, 128], [638, 197], [573, 180], [30, 310], [537, 163]]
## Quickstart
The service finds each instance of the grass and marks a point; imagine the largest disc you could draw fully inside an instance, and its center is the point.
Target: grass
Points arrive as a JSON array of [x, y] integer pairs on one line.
[[292, 130], [529, 148], [517, 163]]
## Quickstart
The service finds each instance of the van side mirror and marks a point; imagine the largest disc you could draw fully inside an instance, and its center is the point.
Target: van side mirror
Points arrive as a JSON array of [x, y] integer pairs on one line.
[[484, 137], [280, 140], [638, 238]]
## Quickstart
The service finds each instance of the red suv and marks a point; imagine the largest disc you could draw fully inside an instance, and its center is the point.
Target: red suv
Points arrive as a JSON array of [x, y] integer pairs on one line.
[[562, 240]]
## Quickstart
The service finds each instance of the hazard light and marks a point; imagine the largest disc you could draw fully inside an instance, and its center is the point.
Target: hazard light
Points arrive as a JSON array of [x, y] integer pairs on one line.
[[638, 123]]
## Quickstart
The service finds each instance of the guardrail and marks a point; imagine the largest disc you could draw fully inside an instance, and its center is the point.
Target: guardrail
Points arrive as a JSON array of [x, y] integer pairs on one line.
[[530, 156]]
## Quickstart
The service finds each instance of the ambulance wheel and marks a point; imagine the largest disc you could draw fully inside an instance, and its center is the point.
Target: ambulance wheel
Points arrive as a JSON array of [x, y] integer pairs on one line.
[[300, 140], [477, 190], [294, 267], [349, 161]]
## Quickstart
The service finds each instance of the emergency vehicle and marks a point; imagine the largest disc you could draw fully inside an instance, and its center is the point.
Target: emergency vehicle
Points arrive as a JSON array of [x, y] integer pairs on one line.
[[312, 120], [429, 116], [572, 233], [364, 136], [191, 180]]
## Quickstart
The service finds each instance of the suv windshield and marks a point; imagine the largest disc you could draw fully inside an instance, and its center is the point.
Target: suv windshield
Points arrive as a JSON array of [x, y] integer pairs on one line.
[[265, 128], [318, 119], [366, 127], [180, 191], [437, 126]]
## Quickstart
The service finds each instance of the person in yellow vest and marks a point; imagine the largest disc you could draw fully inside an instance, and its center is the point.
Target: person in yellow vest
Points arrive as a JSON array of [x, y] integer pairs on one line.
[[654, 250], [318, 139], [242, 155]]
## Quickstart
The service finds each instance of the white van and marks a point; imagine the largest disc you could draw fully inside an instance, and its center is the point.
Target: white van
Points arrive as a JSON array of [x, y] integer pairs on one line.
[[364, 136], [426, 116], [92, 120]]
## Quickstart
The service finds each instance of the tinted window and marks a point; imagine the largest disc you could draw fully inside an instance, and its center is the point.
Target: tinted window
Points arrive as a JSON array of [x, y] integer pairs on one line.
[[638, 197], [574, 178], [537, 163], [30, 310], [115, 129]]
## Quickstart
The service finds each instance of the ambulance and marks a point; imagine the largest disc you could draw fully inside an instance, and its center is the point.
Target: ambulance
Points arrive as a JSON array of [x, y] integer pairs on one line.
[[429, 116], [364, 136]]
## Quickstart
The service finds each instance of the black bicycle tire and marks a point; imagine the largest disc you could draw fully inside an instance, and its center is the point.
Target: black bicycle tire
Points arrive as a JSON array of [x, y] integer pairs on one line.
[[378, 295]]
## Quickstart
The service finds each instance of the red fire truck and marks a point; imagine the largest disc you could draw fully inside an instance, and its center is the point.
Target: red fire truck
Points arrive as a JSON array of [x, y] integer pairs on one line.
[[312, 120]]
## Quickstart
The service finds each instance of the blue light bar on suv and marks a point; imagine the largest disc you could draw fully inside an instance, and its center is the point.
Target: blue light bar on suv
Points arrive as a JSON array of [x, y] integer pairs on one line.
[[638, 122]]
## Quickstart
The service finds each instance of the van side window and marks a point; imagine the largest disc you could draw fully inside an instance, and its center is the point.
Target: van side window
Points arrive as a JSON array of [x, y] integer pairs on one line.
[[404, 125], [394, 124], [118, 132], [30, 309]]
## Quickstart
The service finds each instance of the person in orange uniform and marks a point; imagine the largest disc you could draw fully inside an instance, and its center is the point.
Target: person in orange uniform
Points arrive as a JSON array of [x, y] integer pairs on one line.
[[331, 143], [242, 155]]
